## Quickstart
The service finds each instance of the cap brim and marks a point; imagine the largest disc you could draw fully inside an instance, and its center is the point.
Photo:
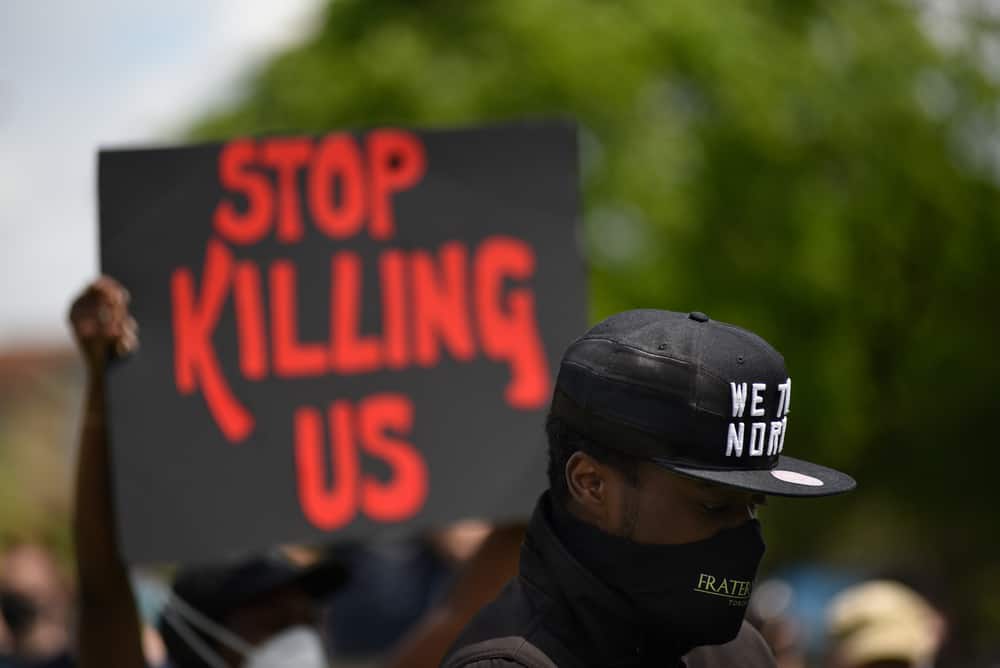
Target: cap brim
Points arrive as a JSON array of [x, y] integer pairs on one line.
[[790, 477], [317, 581], [323, 578]]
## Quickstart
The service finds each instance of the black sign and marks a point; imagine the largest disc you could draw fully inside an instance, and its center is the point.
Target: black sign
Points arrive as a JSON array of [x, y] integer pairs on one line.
[[340, 334]]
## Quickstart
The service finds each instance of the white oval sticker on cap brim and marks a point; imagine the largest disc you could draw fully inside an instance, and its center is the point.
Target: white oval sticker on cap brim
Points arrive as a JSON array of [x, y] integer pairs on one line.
[[797, 478]]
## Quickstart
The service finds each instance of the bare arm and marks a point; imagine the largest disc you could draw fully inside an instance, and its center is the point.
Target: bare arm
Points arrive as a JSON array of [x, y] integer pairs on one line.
[[109, 629]]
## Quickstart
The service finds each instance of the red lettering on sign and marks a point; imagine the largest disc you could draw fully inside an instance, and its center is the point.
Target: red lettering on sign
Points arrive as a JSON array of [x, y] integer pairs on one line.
[[393, 161], [328, 506], [291, 357], [337, 160], [379, 425], [250, 321], [287, 156], [392, 271], [428, 310], [441, 305], [194, 322], [350, 351], [396, 160], [384, 419], [507, 327], [236, 175]]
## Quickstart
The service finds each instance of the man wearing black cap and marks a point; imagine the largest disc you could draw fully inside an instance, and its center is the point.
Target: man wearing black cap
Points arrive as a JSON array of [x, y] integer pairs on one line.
[[666, 431]]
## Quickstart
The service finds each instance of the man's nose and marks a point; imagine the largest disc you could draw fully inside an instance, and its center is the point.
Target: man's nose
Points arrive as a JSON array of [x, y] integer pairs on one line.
[[744, 510]]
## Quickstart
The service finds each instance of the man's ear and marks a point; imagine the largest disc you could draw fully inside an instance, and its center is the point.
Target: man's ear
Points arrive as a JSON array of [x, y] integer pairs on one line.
[[589, 485]]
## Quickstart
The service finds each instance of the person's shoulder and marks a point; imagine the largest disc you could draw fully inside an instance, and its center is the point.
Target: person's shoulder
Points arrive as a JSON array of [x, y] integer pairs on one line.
[[747, 650], [510, 652], [504, 633], [512, 613], [494, 662]]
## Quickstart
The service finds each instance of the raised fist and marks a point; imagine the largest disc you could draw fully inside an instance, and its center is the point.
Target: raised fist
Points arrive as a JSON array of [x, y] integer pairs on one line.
[[101, 322]]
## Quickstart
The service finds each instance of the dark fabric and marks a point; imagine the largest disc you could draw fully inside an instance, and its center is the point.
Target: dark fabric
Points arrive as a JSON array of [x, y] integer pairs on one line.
[[18, 610], [63, 660], [557, 607], [499, 652]]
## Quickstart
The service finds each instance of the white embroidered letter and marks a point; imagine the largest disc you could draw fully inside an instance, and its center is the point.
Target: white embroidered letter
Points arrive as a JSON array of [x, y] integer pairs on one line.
[[784, 429], [734, 442], [774, 440], [757, 438], [739, 398], [784, 397], [756, 409]]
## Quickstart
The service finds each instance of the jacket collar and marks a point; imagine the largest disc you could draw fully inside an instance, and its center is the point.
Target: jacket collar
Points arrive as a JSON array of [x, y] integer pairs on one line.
[[600, 623]]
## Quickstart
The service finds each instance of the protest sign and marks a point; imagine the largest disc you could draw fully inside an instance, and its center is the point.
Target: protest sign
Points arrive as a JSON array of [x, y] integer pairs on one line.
[[340, 335]]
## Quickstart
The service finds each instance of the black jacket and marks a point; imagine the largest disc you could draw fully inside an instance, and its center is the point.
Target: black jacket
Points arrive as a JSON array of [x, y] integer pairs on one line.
[[556, 613]]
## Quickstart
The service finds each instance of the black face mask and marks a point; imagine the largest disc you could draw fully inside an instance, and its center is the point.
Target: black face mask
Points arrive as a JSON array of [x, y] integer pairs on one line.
[[19, 611], [695, 593]]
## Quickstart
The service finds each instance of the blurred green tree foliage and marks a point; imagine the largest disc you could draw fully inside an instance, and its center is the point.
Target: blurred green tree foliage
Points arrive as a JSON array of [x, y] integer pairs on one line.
[[820, 172]]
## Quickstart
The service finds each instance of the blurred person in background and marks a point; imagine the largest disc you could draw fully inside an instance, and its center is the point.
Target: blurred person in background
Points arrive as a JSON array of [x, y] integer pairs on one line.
[[258, 613], [394, 582], [35, 602], [882, 624], [485, 566], [408, 598], [770, 612]]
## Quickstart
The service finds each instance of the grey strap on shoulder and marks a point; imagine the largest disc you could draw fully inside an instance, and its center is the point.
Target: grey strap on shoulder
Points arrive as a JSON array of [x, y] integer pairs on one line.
[[512, 649]]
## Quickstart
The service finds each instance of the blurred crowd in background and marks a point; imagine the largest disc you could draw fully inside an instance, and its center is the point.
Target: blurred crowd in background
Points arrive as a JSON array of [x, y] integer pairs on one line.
[[826, 173]]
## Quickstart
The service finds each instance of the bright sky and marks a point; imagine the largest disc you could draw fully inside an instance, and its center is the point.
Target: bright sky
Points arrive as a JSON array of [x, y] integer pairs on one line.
[[78, 75]]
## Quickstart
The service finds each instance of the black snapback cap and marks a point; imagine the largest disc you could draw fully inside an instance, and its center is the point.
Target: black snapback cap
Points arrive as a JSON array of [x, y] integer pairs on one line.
[[700, 397]]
